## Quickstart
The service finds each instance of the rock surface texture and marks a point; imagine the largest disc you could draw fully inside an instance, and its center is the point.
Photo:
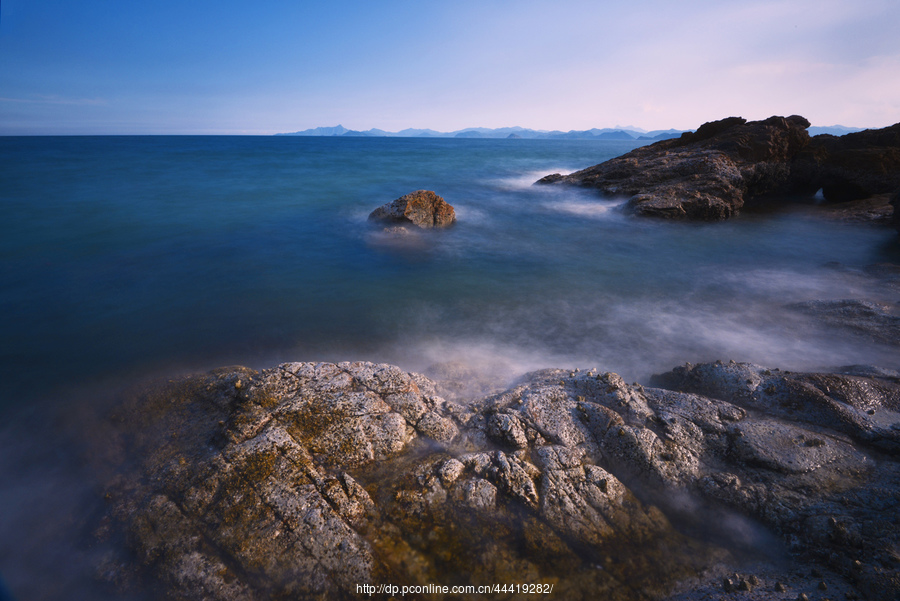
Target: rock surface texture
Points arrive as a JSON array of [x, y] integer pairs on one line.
[[422, 208], [308, 480], [711, 173]]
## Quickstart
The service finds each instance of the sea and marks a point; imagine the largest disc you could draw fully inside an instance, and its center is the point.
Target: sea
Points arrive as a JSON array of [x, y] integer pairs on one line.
[[127, 258]]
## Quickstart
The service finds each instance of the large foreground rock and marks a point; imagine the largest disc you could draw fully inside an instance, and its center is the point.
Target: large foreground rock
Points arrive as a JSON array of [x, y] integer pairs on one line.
[[422, 208], [880, 322], [307, 480]]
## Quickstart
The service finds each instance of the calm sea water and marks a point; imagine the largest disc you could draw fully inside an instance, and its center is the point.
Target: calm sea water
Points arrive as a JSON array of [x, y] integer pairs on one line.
[[124, 257], [127, 255]]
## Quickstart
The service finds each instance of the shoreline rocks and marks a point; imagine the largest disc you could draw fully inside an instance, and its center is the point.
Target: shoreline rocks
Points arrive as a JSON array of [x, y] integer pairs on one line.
[[712, 173], [422, 208], [307, 479], [849, 167]]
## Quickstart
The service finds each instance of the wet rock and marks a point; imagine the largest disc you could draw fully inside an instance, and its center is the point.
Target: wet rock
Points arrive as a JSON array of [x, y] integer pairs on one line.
[[508, 429], [478, 493], [797, 465], [310, 478], [866, 408], [422, 208], [870, 209], [878, 321], [712, 173]]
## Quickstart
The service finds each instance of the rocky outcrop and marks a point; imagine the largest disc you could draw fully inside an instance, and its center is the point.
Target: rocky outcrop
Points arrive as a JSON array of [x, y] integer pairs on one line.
[[707, 174], [422, 208], [850, 167], [875, 209], [711, 173], [309, 480]]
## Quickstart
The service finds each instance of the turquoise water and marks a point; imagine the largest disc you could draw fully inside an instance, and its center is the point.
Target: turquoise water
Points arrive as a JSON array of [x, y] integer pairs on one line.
[[124, 256], [129, 257]]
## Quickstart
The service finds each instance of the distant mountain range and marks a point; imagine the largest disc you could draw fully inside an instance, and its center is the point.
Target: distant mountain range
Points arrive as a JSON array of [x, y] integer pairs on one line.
[[617, 133], [502, 132], [834, 130]]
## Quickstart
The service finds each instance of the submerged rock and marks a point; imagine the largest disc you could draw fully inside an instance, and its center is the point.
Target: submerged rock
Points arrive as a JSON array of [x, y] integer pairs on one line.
[[871, 209], [878, 321], [422, 208], [306, 480]]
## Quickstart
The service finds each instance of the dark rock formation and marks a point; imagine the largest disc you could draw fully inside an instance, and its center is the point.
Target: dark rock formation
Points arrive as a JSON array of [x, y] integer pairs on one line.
[[871, 209], [706, 174], [307, 480], [711, 173], [850, 167], [895, 202], [422, 208]]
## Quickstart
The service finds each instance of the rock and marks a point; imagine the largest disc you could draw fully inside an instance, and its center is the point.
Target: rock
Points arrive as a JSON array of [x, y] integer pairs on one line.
[[712, 173], [552, 178], [705, 175], [895, 202], [459, 381], [863, 407], [850, 167], [422, 208], [311, 478], [871, 209], [878, 321]]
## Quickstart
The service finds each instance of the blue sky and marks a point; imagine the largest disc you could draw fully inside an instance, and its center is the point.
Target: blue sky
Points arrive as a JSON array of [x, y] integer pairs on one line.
[[225, 67]]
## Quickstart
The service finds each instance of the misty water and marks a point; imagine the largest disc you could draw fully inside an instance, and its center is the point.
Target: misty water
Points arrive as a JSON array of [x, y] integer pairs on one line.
[[130, 257]]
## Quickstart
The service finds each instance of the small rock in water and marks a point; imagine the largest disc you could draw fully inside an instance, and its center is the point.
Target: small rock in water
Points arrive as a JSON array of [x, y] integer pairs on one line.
[[422, 208]]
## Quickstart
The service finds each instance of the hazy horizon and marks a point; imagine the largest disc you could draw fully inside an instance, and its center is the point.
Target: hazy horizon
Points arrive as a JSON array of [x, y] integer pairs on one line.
[[218, 68], [298, 133]]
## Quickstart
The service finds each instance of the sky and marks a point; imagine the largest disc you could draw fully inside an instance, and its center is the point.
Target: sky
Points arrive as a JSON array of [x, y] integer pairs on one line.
[[227, 67]]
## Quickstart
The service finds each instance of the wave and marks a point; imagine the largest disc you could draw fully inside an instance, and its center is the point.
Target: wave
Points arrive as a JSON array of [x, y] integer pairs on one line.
[[526, 180], [597, 209]]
